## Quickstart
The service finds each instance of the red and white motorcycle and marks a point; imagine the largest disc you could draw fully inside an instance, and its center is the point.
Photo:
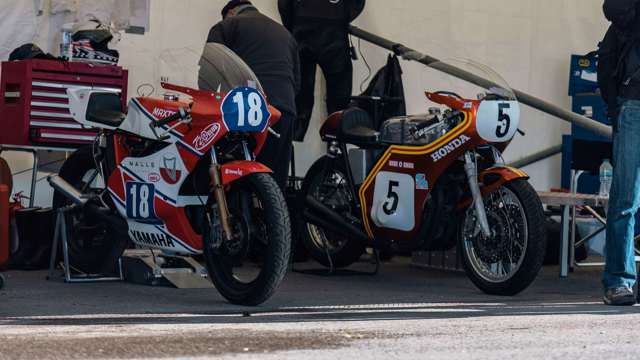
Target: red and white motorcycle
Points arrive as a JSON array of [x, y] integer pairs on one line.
[[181, 177]]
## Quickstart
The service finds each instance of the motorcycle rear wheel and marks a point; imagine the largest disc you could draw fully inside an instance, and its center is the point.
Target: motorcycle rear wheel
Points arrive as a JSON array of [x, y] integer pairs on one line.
[[94, 246], [509, 261], [326, 181], [249, 269]]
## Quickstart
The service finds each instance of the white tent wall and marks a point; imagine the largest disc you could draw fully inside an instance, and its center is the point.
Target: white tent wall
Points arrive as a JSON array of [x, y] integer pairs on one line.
[[528, 42]]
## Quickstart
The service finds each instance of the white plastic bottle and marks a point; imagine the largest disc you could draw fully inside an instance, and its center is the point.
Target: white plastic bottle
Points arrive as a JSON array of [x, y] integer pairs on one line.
[[606, 173], [66, 46]]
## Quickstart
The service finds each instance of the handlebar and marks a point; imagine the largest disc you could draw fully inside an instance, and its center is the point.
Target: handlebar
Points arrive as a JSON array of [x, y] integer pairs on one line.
[[427, 124], [180, 115], [387, 99]]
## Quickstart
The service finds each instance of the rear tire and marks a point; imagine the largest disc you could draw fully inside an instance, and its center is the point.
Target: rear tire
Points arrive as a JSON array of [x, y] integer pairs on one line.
[[326, 247], [94, 245], [271, 251], [518, 227]]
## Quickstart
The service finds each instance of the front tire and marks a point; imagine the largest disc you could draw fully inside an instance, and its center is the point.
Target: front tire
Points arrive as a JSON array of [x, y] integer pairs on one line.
[[95, 245], [509, 261], [248, 270]]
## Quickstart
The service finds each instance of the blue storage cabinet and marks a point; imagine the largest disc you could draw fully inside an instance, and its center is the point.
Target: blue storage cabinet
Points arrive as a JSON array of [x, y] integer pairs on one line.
[[583, 149]]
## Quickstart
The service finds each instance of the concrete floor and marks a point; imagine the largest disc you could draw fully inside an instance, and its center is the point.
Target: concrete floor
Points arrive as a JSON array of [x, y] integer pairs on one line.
[[403, 312]]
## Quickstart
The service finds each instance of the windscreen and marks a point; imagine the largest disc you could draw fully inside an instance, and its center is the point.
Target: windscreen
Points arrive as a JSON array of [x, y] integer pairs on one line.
[[222, 70], [484, 80]]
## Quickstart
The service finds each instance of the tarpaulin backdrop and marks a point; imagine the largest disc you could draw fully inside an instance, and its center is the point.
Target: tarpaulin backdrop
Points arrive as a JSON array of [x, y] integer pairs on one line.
[[40, 21]]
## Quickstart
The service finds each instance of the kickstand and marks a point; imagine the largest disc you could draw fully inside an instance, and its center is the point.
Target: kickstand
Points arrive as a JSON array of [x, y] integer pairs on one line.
[[332, 271]]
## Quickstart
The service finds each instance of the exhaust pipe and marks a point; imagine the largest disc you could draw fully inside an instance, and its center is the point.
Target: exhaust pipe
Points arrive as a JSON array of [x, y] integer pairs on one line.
[[67, 190], [322, 216]]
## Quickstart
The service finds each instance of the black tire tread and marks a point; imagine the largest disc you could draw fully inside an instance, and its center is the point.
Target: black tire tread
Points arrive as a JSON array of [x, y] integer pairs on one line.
[[280, 248]]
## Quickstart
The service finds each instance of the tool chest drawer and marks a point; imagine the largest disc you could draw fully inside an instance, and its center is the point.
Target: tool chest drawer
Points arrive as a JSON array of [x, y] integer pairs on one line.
[[34, 106]]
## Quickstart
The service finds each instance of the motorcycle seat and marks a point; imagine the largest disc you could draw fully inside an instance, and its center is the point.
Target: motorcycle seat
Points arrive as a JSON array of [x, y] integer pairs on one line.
[[106, 117], [105, 108], [356, 127]]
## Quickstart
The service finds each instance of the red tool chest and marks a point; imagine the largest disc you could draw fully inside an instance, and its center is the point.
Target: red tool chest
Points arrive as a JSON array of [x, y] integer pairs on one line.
[[34, 106]]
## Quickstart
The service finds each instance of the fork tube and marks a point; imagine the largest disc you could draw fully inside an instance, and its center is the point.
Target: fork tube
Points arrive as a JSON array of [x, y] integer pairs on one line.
[[220, 195], [472, 175], [247, 154]]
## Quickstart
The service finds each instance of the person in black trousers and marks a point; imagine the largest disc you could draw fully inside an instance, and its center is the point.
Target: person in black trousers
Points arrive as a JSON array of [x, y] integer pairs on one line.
[[272, 53], [321, 28]]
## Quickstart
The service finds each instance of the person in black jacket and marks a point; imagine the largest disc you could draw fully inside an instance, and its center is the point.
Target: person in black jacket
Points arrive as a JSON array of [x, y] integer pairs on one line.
[[272, 53], [321, 29], [619, 80]]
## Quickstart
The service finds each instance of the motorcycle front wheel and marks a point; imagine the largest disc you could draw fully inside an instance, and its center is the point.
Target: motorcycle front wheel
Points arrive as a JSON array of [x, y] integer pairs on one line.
[[509, 260], [249, 268]]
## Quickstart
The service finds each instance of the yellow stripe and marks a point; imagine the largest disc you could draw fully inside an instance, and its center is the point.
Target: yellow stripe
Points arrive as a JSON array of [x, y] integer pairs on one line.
[[406, 150]]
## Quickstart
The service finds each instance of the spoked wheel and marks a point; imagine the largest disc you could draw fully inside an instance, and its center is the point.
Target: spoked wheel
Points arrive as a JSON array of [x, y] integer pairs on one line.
[[94, 244], [248, 269], [507, 262], [327, 182]]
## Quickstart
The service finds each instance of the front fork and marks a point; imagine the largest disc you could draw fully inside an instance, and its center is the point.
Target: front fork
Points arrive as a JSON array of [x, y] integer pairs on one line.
[[471, 168], [215, 172]]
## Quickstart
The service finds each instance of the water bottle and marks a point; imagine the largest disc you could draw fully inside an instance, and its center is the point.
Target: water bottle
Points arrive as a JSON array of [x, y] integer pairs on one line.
[[66, 46], [606, 173]]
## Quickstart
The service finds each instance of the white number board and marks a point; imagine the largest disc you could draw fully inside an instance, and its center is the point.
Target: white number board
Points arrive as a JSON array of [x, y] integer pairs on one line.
[[393, 201], [498, 121]]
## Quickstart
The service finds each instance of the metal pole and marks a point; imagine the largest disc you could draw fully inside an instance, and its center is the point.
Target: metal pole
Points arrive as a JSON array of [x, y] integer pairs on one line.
[[539, 156], [534, 102]]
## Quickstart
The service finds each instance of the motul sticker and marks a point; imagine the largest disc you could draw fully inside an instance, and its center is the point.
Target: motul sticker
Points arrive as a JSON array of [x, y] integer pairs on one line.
[[452, 146], [153, 177], [206, 137]]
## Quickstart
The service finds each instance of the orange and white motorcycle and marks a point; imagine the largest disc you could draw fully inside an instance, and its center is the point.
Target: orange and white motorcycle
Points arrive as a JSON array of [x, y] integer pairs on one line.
[[429, 182]]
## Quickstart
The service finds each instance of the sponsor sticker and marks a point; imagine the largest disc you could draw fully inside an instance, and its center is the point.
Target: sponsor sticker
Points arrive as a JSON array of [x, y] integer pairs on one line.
[[162, 113], [169, 171], [206, 136], [452, 146], [421, 182], [237, 172], [153, 177], [402, 164], [152, 239]]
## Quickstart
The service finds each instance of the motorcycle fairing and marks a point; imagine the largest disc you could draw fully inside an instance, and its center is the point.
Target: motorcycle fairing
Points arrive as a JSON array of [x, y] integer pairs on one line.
[[236, 170], [405, 167], [166, 227]]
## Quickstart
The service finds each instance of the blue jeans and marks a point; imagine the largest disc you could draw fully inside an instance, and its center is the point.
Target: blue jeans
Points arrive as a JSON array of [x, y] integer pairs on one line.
[[624, 201]]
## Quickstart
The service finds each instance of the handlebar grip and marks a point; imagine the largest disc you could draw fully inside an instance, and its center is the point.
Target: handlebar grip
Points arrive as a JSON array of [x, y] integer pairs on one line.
[[387, 99], [180, 115]]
